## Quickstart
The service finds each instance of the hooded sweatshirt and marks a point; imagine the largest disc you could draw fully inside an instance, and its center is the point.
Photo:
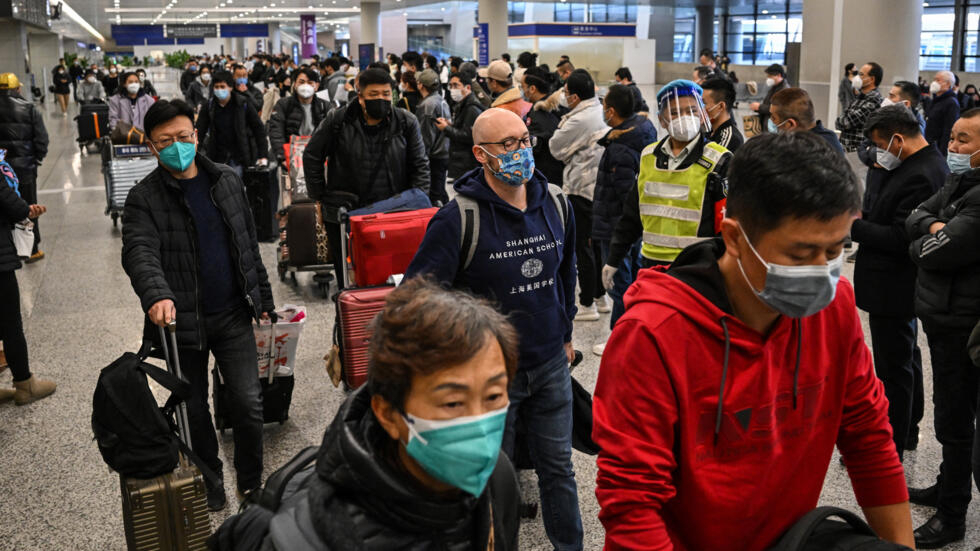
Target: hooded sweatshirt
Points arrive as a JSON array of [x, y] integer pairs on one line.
[[679, 472], [524, 262]]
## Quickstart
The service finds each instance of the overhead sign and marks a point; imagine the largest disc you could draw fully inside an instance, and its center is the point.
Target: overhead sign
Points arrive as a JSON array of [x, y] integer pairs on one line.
[[365, 55], [307, 31], [483, 44], [607, 30], [192, 30]]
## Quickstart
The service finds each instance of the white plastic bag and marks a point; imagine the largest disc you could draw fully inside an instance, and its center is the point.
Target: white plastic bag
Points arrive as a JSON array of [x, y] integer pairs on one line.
[[23, 234], [276, 344]]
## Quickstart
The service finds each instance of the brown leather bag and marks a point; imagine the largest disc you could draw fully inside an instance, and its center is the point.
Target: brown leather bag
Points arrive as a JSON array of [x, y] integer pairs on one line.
[[126, 134]]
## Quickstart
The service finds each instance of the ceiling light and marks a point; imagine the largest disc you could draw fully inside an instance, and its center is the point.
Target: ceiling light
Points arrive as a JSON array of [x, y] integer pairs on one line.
[[764, 12], [73, 15]]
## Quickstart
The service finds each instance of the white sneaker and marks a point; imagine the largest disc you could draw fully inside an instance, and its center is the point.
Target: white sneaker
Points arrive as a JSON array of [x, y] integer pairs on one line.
[[599, 349], [587, 313], [603, 304]]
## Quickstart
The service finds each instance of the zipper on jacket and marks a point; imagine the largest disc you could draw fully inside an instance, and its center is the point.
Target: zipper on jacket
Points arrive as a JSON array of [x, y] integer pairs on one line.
[[197, 270], [238, 252]]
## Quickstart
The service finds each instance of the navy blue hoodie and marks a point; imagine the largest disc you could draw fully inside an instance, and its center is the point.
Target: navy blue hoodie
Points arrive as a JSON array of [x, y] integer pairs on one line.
[[523, 262]]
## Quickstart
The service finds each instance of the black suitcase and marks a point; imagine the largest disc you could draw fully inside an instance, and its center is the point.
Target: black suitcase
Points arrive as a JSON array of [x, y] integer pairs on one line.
[[93, 122], [276, 397], [262, 190]]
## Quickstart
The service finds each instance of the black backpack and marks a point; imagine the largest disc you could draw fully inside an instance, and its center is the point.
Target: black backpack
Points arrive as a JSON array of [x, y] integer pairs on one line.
[[136, 437], [817, 532]]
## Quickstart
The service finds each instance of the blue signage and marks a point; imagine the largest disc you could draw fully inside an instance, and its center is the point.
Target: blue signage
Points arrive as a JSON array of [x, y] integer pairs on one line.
[[483, 42], [572, 29], [229, 30], [365, 55]]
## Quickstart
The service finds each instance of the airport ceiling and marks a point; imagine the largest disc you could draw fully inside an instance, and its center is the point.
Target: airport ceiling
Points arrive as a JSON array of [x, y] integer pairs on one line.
[[101, 14]]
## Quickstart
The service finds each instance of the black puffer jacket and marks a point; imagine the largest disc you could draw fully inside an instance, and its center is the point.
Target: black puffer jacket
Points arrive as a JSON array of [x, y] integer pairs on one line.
[[542, 123], [460, 133], [393, 151], [253, 95], [618, 169], [947, 293], [160, 247], [250, 139], [22, 131], [13, 209], [357, 499], [287, 118]]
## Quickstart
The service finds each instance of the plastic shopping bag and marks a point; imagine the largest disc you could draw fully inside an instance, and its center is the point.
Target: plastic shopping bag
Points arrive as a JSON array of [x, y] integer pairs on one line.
[[276, 343], [23, 234]]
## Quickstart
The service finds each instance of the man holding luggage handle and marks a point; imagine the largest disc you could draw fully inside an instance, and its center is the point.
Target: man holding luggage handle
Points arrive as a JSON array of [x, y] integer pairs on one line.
[[521, 253], [190, 250]]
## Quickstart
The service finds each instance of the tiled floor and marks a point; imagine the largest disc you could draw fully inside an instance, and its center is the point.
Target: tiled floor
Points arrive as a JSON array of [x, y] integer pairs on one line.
[[81, 313]]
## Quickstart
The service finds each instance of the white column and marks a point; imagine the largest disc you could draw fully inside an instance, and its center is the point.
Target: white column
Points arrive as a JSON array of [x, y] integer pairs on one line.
[[494, 13], [704, 28], [370, 27], [276, 38]]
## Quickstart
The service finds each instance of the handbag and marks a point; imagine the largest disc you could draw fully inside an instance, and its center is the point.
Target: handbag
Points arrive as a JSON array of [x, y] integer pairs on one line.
[[126, 134], [23, 235]]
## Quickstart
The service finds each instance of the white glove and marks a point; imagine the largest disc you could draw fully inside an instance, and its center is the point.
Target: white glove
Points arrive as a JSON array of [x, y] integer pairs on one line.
[[607, 276]]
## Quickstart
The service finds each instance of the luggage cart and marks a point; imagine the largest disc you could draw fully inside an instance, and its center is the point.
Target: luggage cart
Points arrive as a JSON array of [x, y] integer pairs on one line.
[[322, 273], [123, 166]]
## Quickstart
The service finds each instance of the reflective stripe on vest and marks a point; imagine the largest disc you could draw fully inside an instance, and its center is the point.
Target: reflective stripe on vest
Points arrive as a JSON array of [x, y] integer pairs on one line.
[[671, 203]]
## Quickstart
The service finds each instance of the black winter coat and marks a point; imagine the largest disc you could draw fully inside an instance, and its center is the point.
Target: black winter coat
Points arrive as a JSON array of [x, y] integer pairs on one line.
[[287, 118], [357, 498], [884, 275], [22, 131], [186, 78], [62, 82], [250, 140], [392, 152], [618, 169], [943, 112], [254, 97], [159, 250], [542, 124], [13, 209], [947, 293], [766, 103], [639, 104], [460, 133]]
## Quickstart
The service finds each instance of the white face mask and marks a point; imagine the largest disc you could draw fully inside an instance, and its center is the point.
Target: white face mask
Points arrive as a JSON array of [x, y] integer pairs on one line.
[[304, 90], [857, 83], [770, 82], [887, 102], [133, 87], [563, 100], [456, 94], [888, 160], [684, 128], [935, 88], [142, 78], [205, 77], [90, 79]]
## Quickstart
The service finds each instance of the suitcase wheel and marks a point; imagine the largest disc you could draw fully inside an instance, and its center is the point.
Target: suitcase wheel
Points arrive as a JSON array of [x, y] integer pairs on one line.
[[282, 271], [529, 510], [115, 220]]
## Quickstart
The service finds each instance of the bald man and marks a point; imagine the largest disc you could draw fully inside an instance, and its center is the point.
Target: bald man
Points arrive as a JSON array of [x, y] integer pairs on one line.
[[510, 236], [944, 110]]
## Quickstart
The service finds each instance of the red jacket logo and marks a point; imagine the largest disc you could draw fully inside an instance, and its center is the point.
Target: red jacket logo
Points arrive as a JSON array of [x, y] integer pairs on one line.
[[765, 421]]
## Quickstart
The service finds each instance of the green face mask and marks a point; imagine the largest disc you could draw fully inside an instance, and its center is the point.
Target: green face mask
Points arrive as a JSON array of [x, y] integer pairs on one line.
[[461, 452], [178, 156]]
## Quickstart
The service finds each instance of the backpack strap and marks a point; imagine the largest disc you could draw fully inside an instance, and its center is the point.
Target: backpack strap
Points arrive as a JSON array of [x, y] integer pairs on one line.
[[797, 536], [271, 495], [560, 203], [469, 235]]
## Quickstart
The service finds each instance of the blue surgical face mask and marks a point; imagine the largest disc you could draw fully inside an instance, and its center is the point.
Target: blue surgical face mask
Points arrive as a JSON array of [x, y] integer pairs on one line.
[[222, 93], [178, 155], [773, 127], [516, 167], [461, 452], [959, 162], [796, 291], [241, 81]]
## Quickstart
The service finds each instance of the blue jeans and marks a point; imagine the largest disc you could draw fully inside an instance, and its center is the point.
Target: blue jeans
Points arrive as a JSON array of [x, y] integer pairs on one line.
[[624, 277], [542, 396]]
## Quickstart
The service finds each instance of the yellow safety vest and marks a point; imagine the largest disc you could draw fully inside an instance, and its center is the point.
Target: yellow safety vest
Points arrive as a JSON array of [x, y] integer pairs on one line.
[[671, 202]]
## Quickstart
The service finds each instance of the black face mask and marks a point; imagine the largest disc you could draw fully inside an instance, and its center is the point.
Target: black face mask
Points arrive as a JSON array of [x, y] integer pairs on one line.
[[377, 108]]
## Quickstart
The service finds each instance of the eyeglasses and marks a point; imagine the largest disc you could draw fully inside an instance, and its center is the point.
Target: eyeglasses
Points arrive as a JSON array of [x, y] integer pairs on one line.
[[513, 144], [167, 142]]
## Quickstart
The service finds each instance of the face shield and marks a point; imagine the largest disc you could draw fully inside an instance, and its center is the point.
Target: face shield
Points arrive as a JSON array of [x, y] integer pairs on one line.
[[683, 114]]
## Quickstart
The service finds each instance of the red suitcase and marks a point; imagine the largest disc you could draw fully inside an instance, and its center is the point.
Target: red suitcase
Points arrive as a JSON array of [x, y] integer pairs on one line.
[[384, 244], [357, 308]]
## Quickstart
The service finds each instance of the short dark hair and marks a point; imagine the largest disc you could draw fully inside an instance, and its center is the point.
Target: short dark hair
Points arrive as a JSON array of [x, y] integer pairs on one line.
[[432, 63], [581, 84], [702, 71], [372, 76], [527, 60], [621, 99], [794, 103], [893, 119], [424, 329], [707, 52], [413, 59], [123, 77], [163, 111], [223, 76], [380, 65], [783, 175], [908, 91], [876, 72], [408, 77], [505, 56], [776, 69], [539, 83], [721, 89], [455, 61], [848, 68], [312, 74], [331, 62], [465, 80], [624, 74], [563, 63], [238, 67]]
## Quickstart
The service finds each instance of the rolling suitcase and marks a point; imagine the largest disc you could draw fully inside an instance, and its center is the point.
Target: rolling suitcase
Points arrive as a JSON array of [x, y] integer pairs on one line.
[[169, 511], [356, 310], [382, 245], [262, 190], [304, 242], [93, 122], [277, 395]]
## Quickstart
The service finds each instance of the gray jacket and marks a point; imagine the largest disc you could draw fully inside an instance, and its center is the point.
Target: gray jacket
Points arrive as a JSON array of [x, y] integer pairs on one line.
[[122, 108], [429, 109], [91, 91], [334, 83]]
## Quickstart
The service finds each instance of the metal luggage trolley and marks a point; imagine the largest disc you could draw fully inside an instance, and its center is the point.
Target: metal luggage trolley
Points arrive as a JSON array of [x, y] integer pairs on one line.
[[123, 166]]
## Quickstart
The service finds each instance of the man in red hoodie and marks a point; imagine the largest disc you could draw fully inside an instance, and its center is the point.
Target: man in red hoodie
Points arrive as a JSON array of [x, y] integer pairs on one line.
[[735, 371]]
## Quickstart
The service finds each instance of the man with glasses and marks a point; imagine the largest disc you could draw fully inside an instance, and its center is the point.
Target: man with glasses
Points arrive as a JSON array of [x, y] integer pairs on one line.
[[510, 236], [190, 250], [680, 192], [374, 149]]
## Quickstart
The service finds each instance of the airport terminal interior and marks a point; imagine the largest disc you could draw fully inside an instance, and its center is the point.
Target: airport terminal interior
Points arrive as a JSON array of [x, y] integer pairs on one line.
[[79, 309]]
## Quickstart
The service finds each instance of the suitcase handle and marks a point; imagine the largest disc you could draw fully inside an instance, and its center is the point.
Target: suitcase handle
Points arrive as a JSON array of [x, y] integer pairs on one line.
[[172, 356]]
